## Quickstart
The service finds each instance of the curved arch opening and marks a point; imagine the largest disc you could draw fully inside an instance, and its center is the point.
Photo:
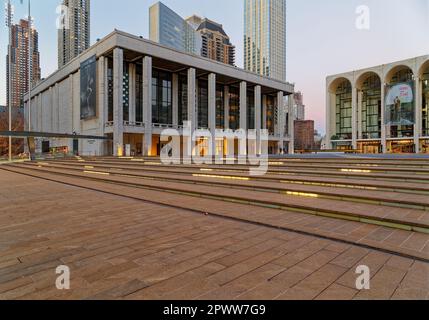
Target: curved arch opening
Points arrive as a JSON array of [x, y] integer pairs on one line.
[[424, 68], [424, 76], [341, 103], [399, 74]]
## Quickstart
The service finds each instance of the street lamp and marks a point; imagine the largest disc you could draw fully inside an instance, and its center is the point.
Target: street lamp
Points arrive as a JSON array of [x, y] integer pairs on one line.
[[30, 63], [9, 18]]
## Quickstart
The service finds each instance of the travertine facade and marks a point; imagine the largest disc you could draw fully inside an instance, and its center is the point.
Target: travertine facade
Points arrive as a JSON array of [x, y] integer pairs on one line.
[[143, 88], [359, 110]]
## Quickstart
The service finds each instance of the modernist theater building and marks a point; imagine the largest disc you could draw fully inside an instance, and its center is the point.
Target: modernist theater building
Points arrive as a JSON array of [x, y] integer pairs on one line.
[[130, 90], [383, 109]]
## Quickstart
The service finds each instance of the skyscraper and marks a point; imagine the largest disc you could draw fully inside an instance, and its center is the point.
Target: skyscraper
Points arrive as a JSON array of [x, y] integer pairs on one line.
[[74, 32], [265, 37], [19, 65], [168, 28], [216, 44], [299, 107]]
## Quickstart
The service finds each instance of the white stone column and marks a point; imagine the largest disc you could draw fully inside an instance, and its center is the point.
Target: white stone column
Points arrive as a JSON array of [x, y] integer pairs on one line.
[[26, 118], [77, 123], [243, 105], [57, 105], [264, 112], [383, 120], [33, 113], [258, 108], [102, 101], [258, 118], [192, 115], [132, 90], [106, 93], [118, 118], [27, 125], [54, 108], [226, 106], [328, 120], [175, 99], [212, 110], [147, 105], [354, 117], [101, 93], [71, 105], [360, 119], [291, 124], [28, 115], [40, 108], [418, 115], [279, 124], [197, 106]]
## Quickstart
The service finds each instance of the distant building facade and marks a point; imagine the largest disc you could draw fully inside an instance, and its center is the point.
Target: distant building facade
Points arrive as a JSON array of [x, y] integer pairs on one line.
[[304, 135], [318, 140], [19, 59], [299, 107], [169, 29], [74, 34], [265, 37], [215, 43]]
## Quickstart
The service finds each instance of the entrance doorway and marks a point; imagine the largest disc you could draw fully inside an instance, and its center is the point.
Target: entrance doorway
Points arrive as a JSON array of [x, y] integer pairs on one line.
[[406, 146], [369, 147], [425, 146]]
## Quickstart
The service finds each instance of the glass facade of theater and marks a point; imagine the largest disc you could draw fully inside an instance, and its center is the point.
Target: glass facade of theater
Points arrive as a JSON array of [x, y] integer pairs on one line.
[[234, 108], [139, 94], [183, 99], [343, 111], [220, 107], [425, 105], [271, 114], [203, 104], [162, 97], [371, 108]]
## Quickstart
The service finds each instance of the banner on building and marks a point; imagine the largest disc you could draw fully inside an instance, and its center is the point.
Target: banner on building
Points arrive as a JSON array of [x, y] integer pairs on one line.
[[399, 104], [88, 88]]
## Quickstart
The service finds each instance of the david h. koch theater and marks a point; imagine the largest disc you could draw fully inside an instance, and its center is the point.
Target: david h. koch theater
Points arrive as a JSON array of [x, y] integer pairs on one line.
[[383, 109], [129, 90]]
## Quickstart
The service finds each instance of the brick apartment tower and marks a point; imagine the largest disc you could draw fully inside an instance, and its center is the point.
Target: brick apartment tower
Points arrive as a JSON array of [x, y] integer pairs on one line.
[[19, 66], [216, 44], [304, 135]]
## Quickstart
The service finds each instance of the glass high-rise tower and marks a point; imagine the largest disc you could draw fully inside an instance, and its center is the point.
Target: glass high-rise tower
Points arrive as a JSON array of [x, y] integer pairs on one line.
[[74, 33], [169, 29], [265, 37]]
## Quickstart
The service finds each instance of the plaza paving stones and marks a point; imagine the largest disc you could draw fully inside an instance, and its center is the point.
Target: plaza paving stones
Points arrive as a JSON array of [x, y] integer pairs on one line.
[[148, 231]]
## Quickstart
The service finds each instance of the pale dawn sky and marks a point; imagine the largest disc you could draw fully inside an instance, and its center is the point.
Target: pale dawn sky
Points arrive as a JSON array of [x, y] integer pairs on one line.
[[322, 38]]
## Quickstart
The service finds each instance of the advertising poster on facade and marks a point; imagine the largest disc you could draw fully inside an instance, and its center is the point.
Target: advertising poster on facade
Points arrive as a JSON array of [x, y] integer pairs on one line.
[[400, 107], [88, 87]]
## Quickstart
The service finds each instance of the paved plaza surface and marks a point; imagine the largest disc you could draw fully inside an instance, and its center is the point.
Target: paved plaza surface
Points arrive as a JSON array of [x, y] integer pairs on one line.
[[131, 228]]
